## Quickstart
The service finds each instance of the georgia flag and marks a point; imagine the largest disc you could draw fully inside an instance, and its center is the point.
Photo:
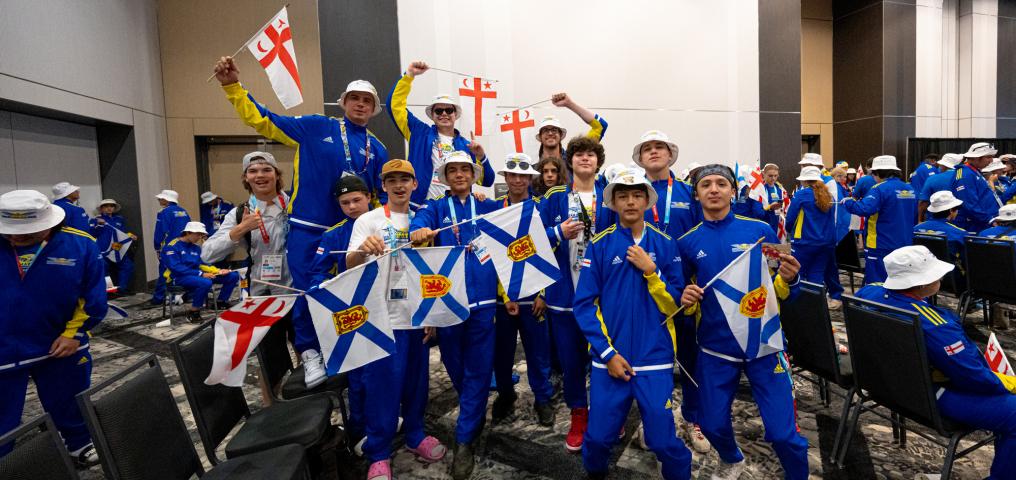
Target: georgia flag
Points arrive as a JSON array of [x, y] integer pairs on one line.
[[273, 49]]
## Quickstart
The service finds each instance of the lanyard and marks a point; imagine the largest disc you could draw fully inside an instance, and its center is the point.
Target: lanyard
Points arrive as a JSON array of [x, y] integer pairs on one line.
[[455, 220], [666, 216], [17, 260], [261, 222], [345, 148], [587, 217]]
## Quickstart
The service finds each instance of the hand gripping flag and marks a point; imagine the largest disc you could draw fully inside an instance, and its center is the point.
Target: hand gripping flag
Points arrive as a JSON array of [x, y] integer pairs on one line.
[[745, 292], [437, 285], [118, 245], [238, 331], [350, 316], [516, 241], [996, 357], [513, 124], [474, 90], [273, 49]]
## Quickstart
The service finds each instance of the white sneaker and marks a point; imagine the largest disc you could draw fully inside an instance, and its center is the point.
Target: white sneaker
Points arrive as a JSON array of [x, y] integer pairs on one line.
[[728, 471], [698, 441], [639, 437], [313, 369], [178, 300], [834, 304]]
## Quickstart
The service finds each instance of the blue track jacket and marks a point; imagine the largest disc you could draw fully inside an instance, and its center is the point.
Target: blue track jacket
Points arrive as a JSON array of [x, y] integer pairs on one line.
[[980, 203], [169, 224], [808, 224], [890, 207], [326, 264], [183, 259]]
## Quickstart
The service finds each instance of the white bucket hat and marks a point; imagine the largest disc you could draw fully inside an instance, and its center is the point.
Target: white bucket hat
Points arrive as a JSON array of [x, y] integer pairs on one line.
[[1006, 214], [109, 201], [912, 266], [811, 159], [950, 160], [63, 189], [943, 200], [195, 227], [612, 170], [365, 87], [980, 149], [169, 196], [654, 136], [851, 170], [884, 162], [458, 156], [257, 157], [550, 121], [208, 197], [27, 211], [629, 176], [445, 99], [995, 165], [514, 164], [810, 173]]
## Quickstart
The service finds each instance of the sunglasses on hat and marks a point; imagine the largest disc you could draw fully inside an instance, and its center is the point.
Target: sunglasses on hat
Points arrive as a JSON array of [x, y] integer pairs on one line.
[[511, 164], [444, 110]]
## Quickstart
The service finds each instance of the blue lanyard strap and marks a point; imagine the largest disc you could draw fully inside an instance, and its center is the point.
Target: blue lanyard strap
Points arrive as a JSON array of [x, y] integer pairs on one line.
[[472, 211], [17, 259], [345, 148]]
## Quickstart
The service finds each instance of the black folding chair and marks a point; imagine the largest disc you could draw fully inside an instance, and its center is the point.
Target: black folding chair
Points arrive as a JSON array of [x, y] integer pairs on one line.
[[812, 348], [885, 341], [39, 456], [140, 434], [286, 381], [991, 273], [217, 409], [954, 283], [848, 257]]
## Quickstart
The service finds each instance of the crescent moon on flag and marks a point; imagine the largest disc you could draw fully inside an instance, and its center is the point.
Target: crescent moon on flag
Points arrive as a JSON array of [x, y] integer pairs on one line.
[[259, 47], [527, 114], [464, 82], [281, 306]]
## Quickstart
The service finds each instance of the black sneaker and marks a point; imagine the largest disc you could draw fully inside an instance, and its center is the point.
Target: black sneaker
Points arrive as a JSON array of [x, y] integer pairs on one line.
[[462, 464], [194, 316], [86, 457], [504, 405], [545, 414]]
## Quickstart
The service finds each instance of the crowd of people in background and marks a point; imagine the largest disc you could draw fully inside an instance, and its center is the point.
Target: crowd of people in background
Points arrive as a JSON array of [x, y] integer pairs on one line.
[[634, 242]]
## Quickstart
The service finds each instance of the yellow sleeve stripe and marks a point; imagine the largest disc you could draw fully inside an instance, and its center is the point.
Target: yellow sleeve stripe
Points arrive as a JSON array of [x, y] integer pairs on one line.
[[398, 104], [751, 219], [781, 287], [173, 241], [77, 232], [250, 115], [595, 129], [600, 235], [553, 190], [799, 224], [929, 314], [657, 230], [76, 321], [603, 325], [337, 225], [208, 269], [296, 181], [691, 230]]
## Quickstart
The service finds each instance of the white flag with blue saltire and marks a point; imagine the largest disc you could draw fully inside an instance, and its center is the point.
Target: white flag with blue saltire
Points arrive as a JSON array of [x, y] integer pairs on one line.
[[515, 240], [436, 285], [118, 245], [745, 292], [350, 316]]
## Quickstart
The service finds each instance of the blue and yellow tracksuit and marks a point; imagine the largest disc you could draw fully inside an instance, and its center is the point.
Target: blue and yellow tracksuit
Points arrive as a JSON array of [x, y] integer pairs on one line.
[[76, 216], [622, 311], [774, 194], [969, 392], [184, 268], [421, 138], [936, 183], [569, 341], [1003, 232], [169, 224], [212, 216], [921, 174], [890, 207], [862, 186], [748, 207], [980, 203], [319, 163], [953, 235], [813, 240], [33, 313], [705, 251], [535, 341], [104, 237], [467, 349], [681, 214]]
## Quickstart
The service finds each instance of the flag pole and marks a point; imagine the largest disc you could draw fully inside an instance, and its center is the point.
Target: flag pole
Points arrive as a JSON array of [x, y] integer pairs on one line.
[[715, 277], [244, 45], [460, 73], [270, 284]]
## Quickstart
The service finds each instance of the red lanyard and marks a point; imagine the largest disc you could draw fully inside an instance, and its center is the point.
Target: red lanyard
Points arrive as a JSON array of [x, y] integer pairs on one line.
[[656, 214], [22, 271], [261, 223]]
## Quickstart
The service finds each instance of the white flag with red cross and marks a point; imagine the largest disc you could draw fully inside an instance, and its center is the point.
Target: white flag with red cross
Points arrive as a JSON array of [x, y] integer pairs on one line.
[[516, 126], [238, 331], [472, 92], [273, 49], [996, 357]]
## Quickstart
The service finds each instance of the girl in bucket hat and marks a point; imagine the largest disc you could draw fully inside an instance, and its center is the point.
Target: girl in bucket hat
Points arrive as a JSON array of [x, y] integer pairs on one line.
[[811, 226]]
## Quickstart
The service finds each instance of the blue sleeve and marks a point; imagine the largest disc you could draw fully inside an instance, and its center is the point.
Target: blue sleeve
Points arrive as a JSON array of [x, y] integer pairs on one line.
[[173, 261], [426, 217], [324, 261], [966, 369], [207, 218], [587, 307], [793, 211], [1009, 192], [94, 289], [296, 128], [671, 272], [866, 207], [548, 207], [94, 227]]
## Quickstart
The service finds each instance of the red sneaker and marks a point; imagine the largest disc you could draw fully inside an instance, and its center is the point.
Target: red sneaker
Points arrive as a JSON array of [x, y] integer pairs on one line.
[[579, 421]]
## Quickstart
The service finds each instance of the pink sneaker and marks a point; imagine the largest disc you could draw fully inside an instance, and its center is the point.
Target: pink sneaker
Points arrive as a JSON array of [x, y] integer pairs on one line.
[[429, 450], [381, 470]]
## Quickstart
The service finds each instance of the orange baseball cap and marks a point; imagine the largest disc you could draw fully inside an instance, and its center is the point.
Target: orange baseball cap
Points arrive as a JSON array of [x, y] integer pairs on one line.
[[397, 166]]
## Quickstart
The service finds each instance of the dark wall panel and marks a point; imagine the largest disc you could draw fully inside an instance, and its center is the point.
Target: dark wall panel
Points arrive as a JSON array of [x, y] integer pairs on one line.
[[1005, 100], [858, 140], [857, 66], [118, 168], [899, 57], [779, 41], [360, 40]]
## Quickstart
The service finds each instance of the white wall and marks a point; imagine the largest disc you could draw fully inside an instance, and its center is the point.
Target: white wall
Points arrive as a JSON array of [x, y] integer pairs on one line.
[[687, 67]]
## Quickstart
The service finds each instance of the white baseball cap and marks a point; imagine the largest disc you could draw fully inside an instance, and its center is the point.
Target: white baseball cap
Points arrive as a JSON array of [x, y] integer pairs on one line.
[[950, 160], [550, 121], [943, 200], [258, 157], [654, 136], [458, 156], [208, 197], [169, 196], [444, 99], [519, 163], [195, 227], [995, 165], [27, 211], [912, 266], [884, 162], [629, 176], [810, 173], [811, 159], [63, 189], [365, 87], [1006, 214], [980, 149]]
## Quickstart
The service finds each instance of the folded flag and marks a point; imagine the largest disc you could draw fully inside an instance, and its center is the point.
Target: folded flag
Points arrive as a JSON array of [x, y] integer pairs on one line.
[[516, 241], [439, 296], [238, 331]]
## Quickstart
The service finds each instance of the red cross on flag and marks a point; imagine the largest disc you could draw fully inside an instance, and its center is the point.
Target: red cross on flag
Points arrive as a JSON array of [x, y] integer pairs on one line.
[[996, 358], [512, 125], [757, 186], [238, 331], [472, 91], [273, 49]]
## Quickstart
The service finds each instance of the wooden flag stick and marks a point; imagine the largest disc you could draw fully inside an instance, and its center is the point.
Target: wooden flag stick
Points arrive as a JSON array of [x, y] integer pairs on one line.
[[460, 73], [270, 284]]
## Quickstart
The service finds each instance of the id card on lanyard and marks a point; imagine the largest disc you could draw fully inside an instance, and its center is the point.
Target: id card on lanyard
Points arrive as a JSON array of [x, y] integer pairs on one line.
[[588, 218], [349, 157]]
